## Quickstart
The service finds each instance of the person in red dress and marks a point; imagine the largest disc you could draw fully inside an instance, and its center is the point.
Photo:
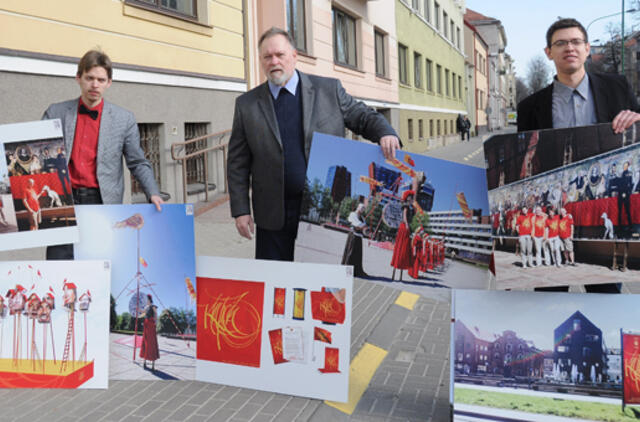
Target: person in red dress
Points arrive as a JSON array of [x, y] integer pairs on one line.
[[32, 204], [149, 348], [416, 244], [401, 258]]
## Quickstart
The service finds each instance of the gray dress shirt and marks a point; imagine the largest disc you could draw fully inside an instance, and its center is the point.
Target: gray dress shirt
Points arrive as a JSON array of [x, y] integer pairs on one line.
[[573, 107]]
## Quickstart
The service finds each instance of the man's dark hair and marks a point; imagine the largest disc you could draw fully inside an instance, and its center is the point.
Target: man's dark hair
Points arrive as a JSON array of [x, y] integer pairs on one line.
[[562, 24], [93, 58], [273, 31]]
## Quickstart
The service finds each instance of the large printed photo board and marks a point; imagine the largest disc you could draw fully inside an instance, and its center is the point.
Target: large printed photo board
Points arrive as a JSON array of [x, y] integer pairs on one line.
[[537, 356], [580, 189], [415, 222], [36, 207], [54, 324], [153, 286], [275, 326]]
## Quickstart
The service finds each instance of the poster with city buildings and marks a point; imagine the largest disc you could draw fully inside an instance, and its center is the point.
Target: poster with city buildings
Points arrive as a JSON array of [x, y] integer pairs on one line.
[[36, 207], [54, 324], [531, 355], [415, 222], [581, 184], [275, 326], [153, 286]]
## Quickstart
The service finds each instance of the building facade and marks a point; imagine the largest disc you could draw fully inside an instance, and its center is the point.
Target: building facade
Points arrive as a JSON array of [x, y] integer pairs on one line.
[[470, 240], [493, 34], [477, 51], [578, 352], [351, 40], [178, 66]]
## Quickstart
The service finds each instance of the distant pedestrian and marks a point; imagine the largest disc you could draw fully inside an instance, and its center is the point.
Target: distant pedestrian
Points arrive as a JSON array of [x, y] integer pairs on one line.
[[461, 126], [467, 124]]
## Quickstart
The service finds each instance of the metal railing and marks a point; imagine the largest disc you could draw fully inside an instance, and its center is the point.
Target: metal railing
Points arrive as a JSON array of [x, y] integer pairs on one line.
[[179, 148]]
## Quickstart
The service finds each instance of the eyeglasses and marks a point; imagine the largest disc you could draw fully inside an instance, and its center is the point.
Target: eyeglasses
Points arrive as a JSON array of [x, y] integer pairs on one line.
[[576, 42]]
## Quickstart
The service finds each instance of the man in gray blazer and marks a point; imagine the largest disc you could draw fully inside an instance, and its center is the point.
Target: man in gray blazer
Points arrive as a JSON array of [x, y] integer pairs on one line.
[[271, 137], [97, 134]]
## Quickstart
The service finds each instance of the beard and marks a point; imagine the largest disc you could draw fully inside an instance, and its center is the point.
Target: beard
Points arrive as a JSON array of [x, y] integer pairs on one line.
[[278, 80]]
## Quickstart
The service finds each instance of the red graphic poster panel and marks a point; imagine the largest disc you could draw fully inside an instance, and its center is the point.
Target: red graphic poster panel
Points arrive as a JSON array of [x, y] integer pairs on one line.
[[275, 337], [631, 369], [229, 326], [326, 308], [331, 359]]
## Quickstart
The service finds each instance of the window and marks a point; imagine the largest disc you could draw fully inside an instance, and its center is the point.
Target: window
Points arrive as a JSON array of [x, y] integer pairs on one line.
[[453, 27], [438, 125], [451, 126], [421, 136], [576, 324], [410, 129], [417, 70], [453, 84], [296, 23], [150, 143], [415, 5], [427, 10], [439, 80], [429, 79], [380, 56], [402, 64], [436, 14], [431, 128], [458, 37], [344, 38], [591, 337], [445, 22], [195, 165], [459, 87], [182, 7], [446, 82]]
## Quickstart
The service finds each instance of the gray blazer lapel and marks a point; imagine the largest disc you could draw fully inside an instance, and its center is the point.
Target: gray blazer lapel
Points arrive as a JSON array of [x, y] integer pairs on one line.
[[308, 100], [71, 115], [266, 105], [106, 121]]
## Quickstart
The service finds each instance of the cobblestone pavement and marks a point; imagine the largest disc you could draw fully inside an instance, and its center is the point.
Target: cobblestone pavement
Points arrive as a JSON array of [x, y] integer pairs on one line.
[[411, 383]]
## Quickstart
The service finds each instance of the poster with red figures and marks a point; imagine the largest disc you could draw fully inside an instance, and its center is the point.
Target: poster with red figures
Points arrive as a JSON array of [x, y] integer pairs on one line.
[[275, 326], [36, 206], [230, 318]]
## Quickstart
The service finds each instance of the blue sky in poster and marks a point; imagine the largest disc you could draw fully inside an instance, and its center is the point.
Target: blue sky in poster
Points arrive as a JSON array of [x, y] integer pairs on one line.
[[446, 177], [166, 244], [534, 315]]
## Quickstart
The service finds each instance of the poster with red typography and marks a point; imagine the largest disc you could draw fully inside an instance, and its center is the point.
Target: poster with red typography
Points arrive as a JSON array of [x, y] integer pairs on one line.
[[276, 326], [36, 205], [631, 368]]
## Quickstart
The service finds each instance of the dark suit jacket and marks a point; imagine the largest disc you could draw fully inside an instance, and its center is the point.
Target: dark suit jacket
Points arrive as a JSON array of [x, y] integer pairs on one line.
[[255, 149], [611, 94], [118, 136]]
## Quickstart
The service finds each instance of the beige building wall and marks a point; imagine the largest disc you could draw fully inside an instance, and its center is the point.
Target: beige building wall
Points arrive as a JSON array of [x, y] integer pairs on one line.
[[360, 81]]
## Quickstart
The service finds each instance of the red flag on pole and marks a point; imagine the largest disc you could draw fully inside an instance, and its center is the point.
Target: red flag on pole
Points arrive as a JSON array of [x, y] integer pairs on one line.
[[463, 205], [320, 334]]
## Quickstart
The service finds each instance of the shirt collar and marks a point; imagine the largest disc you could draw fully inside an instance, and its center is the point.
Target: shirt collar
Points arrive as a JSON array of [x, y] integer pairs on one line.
[[565, 92], [290, 86]]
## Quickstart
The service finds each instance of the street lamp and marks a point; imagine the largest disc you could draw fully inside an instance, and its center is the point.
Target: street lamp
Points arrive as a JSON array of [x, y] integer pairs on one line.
[[609, 16]]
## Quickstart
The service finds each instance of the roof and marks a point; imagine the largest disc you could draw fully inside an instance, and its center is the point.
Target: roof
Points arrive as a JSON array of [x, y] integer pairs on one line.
[[482, 334], [472, 15]]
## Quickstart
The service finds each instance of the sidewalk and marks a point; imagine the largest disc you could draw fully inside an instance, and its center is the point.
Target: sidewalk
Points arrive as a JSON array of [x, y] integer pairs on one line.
[[399, 372]]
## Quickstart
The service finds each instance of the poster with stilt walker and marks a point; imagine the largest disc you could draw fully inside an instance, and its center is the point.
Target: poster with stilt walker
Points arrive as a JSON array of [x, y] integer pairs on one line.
[[28, 309], [153, 258]]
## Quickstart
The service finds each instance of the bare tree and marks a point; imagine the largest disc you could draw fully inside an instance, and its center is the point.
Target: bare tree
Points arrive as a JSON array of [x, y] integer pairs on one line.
[[537, 73], [522, 90]]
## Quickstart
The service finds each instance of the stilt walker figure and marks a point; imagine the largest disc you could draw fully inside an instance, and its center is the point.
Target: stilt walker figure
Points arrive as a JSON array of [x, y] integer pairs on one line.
[[85, 301], [401, 258], [44, 317]]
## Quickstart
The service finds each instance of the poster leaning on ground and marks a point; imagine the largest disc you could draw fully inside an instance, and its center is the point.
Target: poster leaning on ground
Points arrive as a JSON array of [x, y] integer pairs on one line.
[[54, 324], [153, 275], [565, 206], [570, 355], [36, 207], [275, 326], [413, 220]]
